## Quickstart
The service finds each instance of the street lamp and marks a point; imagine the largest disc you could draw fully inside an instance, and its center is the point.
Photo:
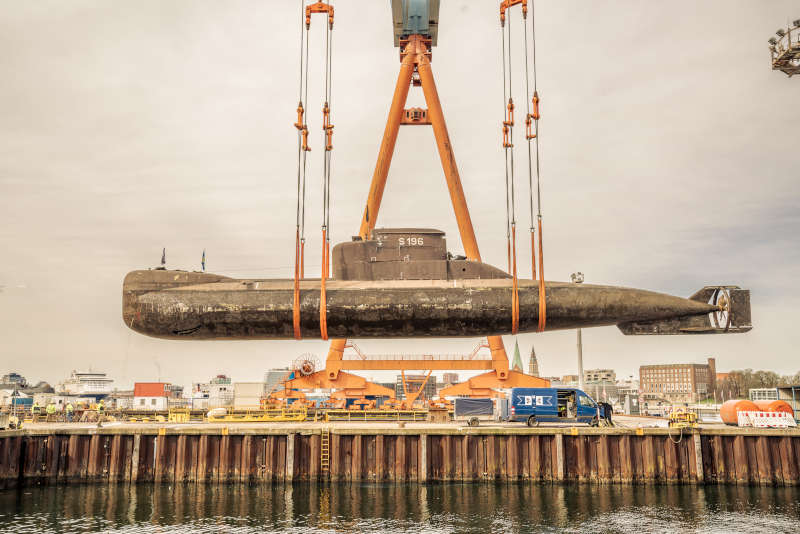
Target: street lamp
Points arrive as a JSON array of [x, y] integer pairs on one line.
[[577, 278]]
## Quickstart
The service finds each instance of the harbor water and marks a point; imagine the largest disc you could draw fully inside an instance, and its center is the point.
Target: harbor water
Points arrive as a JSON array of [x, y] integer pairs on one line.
[[395, 508]]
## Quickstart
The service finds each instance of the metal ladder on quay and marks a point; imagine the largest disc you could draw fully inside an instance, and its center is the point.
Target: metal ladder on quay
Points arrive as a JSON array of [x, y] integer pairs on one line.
[[325, 452]]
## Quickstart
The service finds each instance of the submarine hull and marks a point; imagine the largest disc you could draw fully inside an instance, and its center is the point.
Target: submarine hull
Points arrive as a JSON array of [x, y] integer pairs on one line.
[[193, 306]]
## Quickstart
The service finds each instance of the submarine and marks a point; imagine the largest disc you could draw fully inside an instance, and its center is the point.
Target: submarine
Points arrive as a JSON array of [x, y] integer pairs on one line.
[[402, 283]]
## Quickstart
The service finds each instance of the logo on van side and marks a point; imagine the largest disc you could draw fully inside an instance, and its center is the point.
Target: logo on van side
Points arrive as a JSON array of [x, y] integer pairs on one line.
[[529, 400]]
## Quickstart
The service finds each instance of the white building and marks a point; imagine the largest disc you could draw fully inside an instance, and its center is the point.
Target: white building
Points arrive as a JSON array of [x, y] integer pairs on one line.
[[216, 393], [86, 384], [156, 404], [151, 396]]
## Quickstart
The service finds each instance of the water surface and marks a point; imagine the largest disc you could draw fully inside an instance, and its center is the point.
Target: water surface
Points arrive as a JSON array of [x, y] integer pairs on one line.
[[477, 508]]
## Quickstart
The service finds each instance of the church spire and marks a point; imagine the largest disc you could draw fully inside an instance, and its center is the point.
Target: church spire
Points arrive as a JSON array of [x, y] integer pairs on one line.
[[533, 363], [516, 365]]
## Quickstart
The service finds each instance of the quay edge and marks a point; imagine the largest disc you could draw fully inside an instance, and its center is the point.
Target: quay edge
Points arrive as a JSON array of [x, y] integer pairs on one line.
[[219, 454]]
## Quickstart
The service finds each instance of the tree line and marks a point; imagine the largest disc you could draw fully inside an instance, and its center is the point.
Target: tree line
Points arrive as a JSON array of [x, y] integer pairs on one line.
[[739, 382]]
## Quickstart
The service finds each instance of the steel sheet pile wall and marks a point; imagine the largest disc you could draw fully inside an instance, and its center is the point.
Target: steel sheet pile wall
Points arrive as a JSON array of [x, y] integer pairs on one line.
[[752, 459], [254, 455]]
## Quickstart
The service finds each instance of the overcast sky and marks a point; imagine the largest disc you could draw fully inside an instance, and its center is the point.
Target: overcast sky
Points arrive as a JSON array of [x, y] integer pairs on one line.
[[670, 161]]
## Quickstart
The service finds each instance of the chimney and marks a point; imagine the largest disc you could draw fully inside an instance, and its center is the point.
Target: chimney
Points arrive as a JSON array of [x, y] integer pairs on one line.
[[712, 371]]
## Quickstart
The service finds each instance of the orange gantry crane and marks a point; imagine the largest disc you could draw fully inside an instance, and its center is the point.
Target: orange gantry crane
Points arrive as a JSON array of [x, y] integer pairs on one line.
[[415, 33]]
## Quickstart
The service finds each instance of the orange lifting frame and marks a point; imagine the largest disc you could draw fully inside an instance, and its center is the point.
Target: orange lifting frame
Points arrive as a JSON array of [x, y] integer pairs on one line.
[[506, 4], [319, 7]]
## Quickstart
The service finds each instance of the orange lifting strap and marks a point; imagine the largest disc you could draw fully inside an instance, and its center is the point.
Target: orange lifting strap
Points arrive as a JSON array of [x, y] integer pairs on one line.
[[515, 285], [542, 295], [323, 298], [302, 258], [296, 305]]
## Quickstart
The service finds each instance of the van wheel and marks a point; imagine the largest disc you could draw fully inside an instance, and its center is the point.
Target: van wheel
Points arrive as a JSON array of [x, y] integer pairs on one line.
[[532, 421], [594, 422], [474, 421]]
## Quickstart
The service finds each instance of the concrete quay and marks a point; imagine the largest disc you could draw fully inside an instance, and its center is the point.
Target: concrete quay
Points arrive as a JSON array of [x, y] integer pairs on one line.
[[387, 452]]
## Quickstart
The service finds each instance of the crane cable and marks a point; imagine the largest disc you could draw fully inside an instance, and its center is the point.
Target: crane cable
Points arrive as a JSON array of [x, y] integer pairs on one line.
[[535, 136], [508, 147], [327, 128], [302, 149]]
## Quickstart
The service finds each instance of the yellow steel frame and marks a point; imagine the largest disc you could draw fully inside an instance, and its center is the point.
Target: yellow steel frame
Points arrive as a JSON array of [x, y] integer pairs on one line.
[[376, 415], [260, 416]]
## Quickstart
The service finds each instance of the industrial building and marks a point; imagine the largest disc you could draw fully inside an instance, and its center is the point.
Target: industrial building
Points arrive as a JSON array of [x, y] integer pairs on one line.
[[680, 382], [599, 375]]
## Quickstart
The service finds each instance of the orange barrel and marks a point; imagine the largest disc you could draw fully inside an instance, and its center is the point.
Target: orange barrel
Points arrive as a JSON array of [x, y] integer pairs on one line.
[[774, 406], [730, 410]]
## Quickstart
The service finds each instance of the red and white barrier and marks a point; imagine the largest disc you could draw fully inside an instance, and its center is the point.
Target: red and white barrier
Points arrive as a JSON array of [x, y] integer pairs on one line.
[[766, 419]]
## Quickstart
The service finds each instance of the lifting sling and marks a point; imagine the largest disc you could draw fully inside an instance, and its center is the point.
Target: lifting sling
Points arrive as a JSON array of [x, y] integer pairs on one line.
[[302, 149], [531, 134]]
